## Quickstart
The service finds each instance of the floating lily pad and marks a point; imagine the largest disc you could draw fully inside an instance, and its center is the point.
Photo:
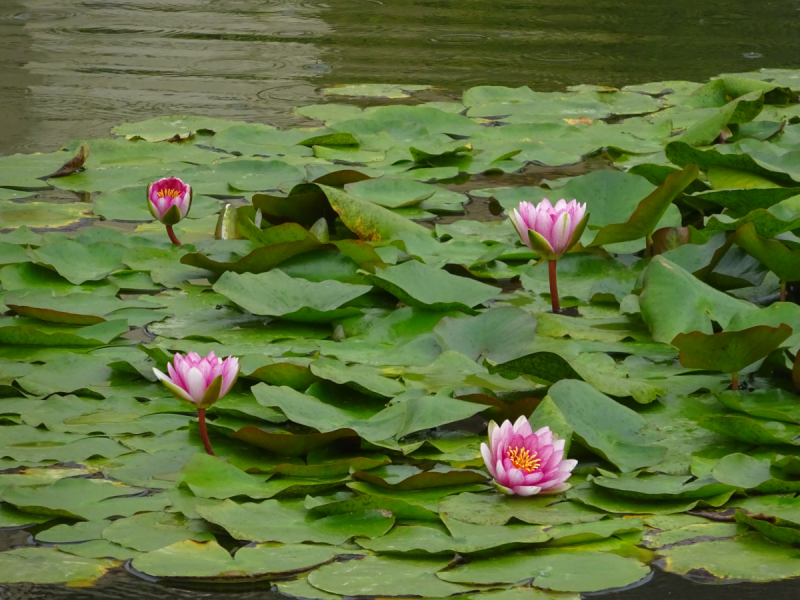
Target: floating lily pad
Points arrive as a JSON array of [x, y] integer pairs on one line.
[[42, 214], [276, 294], [146, 532], [610, 429], [433, 289], [288, 523], [376, 90], [190, 559], [729, 351], [384, 576], [49, 565], [170, 127], [693, 309], [749, 557], [565, 571]]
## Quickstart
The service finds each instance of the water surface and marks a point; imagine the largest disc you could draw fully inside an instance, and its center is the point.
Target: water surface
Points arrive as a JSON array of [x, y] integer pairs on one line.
[[74, 69]]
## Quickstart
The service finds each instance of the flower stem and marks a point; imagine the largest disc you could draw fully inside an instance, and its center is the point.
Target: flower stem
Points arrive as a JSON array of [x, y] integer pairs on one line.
[[649, 246], [554, 287], [172, 236], [735, 381], [201, 416], [783, 292]]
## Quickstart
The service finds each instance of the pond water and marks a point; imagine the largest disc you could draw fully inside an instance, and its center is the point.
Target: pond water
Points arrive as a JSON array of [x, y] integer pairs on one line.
[[74, 69]]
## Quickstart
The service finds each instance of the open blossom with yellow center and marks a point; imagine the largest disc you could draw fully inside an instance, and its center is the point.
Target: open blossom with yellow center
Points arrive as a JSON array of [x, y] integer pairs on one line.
[[169, 200], [523, 460], [526, 462]]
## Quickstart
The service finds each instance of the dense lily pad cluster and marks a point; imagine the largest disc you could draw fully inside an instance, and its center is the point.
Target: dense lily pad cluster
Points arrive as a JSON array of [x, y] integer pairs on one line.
[[376, 343]]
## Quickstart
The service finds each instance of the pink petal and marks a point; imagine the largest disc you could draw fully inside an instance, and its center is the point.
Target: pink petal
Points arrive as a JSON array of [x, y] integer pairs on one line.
[[229, 370], [196, 384], [561, 232], [522, 426], [526, 490], [515, 477], [500, 472], [532, 478], [544, 224], [487, 458]]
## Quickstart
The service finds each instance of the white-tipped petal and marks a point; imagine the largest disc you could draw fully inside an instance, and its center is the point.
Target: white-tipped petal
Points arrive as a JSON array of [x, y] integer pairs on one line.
[[526, 490], [561, 232], [486, 453], [196, 384], [562, 487]]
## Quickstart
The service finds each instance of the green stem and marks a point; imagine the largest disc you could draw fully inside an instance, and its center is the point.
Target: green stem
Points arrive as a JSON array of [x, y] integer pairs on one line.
[[649, 246], [554, 287], [783, 291], [172, 236], [201, 417], [735, 381]]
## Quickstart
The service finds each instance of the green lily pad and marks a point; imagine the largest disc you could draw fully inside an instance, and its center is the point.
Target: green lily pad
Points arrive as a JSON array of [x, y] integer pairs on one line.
[[649, 212], [210, 477], [376, 90], [190, 559], [41, 214], [75, 498], [360, 377], [289, 523], [751, 430], [276, 294], [663, 487], [433, 289], [729, 351], [79, 263], [557, 570], [493, 509], [742, 470], [173, 126], [500, 334], [384, 576], [779, 259], [673, 301], [367, 220], [406, 477], [773, 404], [605, 426], [49, 565], [749, 557]]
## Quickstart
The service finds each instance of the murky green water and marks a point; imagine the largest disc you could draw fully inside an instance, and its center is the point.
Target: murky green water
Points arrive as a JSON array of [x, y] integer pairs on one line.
[[72, 69]]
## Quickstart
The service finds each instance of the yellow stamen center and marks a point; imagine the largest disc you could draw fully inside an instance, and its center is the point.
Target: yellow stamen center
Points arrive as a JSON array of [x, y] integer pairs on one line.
[[523, 460], [169, 192]]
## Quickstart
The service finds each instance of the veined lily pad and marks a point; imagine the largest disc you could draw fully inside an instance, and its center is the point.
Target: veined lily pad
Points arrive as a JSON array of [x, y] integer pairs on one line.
[[433, 289], [288, 523], [49, 565], [276, 294]]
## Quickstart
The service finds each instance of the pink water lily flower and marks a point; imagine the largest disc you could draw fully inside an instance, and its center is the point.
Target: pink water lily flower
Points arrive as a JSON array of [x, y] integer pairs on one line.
[[547, 229], [526, 462], [169, 200], [200, 380]]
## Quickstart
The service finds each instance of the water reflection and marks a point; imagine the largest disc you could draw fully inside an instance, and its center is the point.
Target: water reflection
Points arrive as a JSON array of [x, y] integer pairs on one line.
[[75, 69], [99, 63], [16, 80]]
